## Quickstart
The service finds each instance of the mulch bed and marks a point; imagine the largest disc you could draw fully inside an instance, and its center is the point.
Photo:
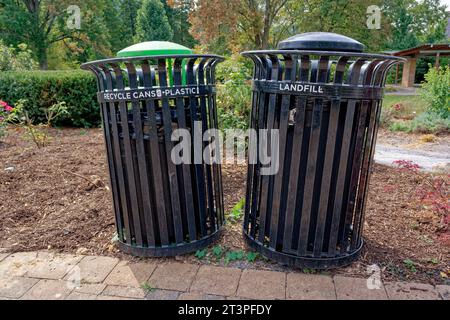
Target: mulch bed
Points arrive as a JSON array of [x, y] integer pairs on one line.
[[57, 199]]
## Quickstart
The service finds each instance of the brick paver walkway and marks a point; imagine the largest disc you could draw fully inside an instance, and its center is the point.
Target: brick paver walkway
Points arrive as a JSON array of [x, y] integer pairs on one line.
[[43, 275]]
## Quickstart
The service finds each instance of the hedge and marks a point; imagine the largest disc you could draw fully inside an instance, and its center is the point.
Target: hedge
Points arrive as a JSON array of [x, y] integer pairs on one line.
[[42, 89]]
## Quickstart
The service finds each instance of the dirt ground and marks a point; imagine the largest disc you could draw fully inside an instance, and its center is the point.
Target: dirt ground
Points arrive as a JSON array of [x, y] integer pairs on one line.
[[57, 199]]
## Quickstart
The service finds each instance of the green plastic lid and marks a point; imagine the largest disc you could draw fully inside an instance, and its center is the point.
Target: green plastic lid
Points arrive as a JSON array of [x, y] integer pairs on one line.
[[153, 48]]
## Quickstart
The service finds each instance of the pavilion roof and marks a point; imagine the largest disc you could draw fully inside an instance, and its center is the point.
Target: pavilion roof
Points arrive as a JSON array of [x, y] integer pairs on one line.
[[423, 50]]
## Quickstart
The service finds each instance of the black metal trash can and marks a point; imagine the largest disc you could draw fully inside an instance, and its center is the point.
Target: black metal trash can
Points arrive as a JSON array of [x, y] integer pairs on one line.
[[324, 96], [161, 208]]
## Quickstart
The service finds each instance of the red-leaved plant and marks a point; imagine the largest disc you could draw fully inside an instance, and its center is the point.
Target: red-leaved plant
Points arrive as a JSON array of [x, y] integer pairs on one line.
[[5, 110]]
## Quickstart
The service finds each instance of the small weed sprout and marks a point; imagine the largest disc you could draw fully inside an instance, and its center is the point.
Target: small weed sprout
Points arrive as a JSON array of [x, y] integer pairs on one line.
[[39, 133], [237, 212], [411, 265], [147, 288]]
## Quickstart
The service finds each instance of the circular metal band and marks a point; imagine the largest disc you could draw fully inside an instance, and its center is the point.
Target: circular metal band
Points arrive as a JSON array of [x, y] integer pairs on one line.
[[304, 262], [170, 251], [326, 91], [155, 93]]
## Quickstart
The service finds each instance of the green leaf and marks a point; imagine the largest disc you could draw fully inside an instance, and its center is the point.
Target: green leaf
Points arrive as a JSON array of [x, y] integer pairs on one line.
[[251, 256], [201, 254], [217, 251]]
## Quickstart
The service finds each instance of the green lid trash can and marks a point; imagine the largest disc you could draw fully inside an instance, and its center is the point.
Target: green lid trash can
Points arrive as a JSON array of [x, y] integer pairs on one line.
[[157, 48], [149, 90]]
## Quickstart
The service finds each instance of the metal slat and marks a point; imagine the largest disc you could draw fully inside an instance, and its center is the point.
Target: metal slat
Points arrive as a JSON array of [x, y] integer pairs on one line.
[[217, 222], [187, 180], [266, 181], [220, 207], [333, 127], [172, 170], [313, 155], [129, 165], [283, 128], [355, 241], [155, 157], [118, 159], [294, 172], [257, 185], [142, 163], [251, 174], [355, 174], [338, 200], [209, 201], [102, 86]]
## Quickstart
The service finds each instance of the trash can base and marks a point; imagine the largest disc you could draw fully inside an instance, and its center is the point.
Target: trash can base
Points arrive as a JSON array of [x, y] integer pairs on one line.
[[304, 262], [170, 251]]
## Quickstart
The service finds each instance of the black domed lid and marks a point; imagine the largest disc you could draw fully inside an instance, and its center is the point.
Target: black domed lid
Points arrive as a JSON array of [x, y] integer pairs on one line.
[[321, 41]]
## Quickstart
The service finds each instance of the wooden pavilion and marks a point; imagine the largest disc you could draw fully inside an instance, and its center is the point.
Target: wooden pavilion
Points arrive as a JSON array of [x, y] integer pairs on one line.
[[412, 54]]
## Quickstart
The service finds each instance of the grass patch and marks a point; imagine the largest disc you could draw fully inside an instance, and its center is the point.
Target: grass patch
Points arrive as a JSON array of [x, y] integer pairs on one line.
[[409, 114], [411, 105]]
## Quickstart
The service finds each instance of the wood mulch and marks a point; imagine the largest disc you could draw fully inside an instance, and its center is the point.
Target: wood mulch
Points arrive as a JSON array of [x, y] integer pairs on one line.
[[57, 199]]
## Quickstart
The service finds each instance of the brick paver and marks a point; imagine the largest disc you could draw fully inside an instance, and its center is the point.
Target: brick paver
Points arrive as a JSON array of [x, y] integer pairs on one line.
[[124, 292], [52, 266], [199, 296], [310, 287], [49, 290], [158, 294], [93, 269], [90, 288], [411, 291], [16, 287], [173, 276], [81, 296], [130, 274], [356, 289], [217, 281], [267, 285], [444, 291], [17, 264], [37, 276], [113, 298]]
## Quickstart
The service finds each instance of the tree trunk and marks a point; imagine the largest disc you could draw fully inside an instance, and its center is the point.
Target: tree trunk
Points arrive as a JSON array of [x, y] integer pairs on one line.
[[266, 29], [43, 60]]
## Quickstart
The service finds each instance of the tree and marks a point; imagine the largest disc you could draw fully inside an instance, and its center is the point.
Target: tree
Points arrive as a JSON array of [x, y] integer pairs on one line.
[[42, 23], [415, 22], [128, 21], [239, 23], [152, 22], [214, 24], [178, 16]]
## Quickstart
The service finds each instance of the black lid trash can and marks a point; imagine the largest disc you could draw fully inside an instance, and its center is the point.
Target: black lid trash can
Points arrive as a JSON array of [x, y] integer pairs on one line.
[[151, 89], [324, 95]]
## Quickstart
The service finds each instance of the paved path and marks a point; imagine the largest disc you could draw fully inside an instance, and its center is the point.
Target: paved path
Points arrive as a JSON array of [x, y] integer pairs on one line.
[[44, 275], [428, 160], [400, 91]]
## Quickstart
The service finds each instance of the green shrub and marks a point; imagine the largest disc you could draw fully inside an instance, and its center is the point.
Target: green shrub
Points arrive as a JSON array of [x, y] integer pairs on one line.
[[43, 89], [400, 126], [425, 123], [430, 122], [436, 91], [234, 94], [16, 59]]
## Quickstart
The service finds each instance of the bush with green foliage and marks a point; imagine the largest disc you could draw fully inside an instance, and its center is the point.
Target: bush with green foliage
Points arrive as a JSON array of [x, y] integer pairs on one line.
[[234, 94], [43, 89], [426, 123], [436, 91], [16, 59]]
